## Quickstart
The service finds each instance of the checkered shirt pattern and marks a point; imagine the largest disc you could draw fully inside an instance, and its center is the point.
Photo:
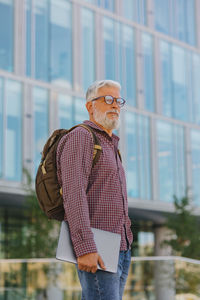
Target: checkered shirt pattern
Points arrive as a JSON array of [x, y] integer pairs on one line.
[[93, 197]]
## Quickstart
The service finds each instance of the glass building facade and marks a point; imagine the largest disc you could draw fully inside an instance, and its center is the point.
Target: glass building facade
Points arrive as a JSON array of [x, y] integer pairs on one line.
[[52, 50]]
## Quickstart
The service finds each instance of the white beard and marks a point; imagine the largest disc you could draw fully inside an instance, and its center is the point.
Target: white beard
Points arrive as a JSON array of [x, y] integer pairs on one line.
[[105, 121]]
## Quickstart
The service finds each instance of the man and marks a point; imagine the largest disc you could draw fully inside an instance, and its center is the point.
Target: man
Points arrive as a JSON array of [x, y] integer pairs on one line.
[[96, 196]]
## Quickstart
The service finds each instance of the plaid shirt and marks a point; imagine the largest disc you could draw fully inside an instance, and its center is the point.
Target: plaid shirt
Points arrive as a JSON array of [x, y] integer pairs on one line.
[[93, 197]]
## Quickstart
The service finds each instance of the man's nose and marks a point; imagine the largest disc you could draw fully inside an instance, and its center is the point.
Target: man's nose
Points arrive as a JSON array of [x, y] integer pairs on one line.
[[114, 104]]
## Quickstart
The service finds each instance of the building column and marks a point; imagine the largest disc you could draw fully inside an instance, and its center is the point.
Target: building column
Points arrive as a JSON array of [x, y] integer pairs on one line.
[[197, 15], [19, 41], [164, 270]]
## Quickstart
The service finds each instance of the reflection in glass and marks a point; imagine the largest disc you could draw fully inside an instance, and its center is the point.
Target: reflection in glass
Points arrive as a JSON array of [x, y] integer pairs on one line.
[[1, 127], [41, 46], [109, 49], [148, 72], [179, 81], [132, 156], [180, 72], [184, 20], [65, 111], [108, 4], [195, 147], [191, 22], [6, 34], [40, 98], [162, 9], [127, 64], [135, 10], [146, 243], [166, 76], [165, 161], [176, 18], [87, 36], [171, 161], [81, 113], [138, 156], [13, 132], [195, 67], [61, 42], [144, 157]]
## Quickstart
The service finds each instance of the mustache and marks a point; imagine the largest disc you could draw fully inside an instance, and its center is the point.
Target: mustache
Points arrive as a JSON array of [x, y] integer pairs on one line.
[[113, 111]]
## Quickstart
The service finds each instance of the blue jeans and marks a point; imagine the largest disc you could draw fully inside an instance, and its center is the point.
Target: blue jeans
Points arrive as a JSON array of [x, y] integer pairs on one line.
[[104, 285]]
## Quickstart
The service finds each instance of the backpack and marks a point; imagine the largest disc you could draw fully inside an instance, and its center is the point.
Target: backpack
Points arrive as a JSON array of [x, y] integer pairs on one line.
[[48, 190]]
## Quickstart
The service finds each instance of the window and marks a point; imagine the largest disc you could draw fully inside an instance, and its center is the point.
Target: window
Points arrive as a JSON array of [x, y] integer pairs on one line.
[[127, 64], [81, 113], [171, 161], [60, 42], [1, 127], [109, 49], [6, 34], [162, 10], [148, 71], [195, 88], [88, 72], [41, 39], [107, 4], [138, 156], [119, 57], [176, 18], [13, 131], [146, 243], [180, 77], [195, 145], [135, 10], [65, 111], [179, 83], [49, 51], [166, 75], [40, 99]]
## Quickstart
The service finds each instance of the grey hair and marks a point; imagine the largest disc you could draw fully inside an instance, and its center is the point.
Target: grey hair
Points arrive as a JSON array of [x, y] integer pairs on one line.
[[95, 86]]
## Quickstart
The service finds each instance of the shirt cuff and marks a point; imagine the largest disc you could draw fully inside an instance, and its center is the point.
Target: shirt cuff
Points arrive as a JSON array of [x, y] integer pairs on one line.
[[85, 247]]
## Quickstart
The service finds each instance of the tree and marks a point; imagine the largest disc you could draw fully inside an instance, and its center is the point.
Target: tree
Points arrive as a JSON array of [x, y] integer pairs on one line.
[[185, 241], [37, 238], [39, 234], [184, 225]]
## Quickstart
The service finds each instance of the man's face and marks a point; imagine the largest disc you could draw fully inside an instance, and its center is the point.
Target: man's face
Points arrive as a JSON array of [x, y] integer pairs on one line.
[[105, 114]]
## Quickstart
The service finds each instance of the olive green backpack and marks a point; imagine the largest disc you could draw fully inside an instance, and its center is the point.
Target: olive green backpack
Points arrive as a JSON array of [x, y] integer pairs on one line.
[[48, 190]]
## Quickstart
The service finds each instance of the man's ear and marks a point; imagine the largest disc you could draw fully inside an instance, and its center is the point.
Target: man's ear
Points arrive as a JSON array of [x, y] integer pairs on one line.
[[89, 107]]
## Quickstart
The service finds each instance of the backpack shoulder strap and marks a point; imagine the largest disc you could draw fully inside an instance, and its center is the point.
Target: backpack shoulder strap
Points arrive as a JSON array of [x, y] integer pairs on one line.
[[97, 146], [119, 153]]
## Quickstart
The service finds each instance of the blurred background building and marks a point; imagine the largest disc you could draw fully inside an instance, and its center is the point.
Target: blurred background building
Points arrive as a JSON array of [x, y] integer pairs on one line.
[[51, 50]]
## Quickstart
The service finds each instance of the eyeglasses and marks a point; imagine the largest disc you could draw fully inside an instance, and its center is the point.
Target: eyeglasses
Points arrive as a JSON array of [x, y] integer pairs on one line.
[[110, 99]]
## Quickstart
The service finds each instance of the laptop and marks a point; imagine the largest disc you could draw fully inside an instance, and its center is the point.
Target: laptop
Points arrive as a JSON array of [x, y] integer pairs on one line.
[[108, 246]]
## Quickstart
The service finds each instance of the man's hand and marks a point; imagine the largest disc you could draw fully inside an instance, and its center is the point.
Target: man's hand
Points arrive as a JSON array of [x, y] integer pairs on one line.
[[88, 262]]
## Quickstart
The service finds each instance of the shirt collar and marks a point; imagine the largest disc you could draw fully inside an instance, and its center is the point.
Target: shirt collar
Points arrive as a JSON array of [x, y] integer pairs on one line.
[[114, 137]]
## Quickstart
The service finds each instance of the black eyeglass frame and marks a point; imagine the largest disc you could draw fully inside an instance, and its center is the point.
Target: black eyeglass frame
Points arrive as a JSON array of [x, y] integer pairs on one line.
[[120, 104]]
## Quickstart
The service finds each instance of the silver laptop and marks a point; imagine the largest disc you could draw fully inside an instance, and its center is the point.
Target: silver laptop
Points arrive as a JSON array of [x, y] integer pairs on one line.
[[108, 246]]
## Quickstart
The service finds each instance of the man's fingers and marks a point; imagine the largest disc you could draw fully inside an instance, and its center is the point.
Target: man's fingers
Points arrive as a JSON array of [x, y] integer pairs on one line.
[[89, 262], [94, 269], [101, 263]]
